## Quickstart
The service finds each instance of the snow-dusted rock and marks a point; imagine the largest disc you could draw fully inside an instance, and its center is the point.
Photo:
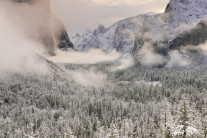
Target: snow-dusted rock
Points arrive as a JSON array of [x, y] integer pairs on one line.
[[121, 35], [186, 11], [129, 34]]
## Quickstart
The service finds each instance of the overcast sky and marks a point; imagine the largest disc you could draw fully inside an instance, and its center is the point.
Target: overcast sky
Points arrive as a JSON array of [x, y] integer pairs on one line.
[[79, 15]]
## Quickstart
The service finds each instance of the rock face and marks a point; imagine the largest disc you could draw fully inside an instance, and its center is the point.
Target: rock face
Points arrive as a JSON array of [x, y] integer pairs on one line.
[[64, 41], [193, 37], [123, 35], [159, 30], [186, 11], [47, 28]]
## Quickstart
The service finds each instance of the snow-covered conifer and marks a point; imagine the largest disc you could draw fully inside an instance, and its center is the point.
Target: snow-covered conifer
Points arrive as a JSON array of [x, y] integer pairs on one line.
[[166, 120], [185, 126], [113, 133]]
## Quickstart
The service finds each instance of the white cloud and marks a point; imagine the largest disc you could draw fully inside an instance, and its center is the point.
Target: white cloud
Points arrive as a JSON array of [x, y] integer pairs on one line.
[[201, 48], [177, 60], [94, 56], [125, 62], [149, 57], [89, 78], [18, 53], [91, 57]]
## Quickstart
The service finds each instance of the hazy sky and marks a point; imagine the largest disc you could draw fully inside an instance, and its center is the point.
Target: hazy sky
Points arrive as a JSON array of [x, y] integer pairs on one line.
[[82, 14]]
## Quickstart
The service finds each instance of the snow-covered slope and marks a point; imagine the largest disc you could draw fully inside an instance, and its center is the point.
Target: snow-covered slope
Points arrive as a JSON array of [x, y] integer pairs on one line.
[[121, 35], [129, 34], [186, 11]]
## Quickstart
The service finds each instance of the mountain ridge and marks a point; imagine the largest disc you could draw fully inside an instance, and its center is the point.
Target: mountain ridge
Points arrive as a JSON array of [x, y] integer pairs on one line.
[[123, 35]]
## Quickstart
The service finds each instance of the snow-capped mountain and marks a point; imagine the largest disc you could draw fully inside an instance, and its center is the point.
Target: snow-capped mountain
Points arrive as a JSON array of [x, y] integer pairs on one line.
[[130, 34], [120, 36], [81, 39]]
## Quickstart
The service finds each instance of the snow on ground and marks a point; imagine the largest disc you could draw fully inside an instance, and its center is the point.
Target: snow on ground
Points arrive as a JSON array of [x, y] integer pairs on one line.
[[155, 83]]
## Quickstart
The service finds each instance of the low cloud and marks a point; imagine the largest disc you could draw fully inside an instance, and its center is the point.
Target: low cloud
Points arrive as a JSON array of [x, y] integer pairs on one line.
[[149, 57], [90, 57], [186, 27], [94, 56], [201, 48], [125, 62], [89, 78], [177, 60], [18, 52]]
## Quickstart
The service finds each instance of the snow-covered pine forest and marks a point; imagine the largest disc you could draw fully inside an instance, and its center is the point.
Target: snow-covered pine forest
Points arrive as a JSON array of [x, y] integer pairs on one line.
[[54, 105], [149, 80]]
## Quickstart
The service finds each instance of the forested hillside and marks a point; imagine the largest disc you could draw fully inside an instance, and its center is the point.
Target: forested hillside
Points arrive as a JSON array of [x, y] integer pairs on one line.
[[142, 77], [144, 102]]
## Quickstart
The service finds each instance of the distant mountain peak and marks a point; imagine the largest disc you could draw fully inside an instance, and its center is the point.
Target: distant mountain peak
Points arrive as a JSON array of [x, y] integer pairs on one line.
[[129, 35], [150, 13]]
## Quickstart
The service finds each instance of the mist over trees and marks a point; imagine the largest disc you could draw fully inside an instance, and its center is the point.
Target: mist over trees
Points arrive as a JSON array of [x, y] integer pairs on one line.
[[130, 104], [151, 91]]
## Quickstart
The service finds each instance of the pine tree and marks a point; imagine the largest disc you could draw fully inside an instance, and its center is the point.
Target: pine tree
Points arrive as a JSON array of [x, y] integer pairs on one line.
[[101, 133], [30, 133], [69, 133], [88, 129], [184, 121], [95, 123], [125, 129], [166, 122], [113, 131], [44, 130], [135, 131], [204, 119]]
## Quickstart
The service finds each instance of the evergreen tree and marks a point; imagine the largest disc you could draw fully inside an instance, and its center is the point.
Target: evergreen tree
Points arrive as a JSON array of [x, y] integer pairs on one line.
[[44, 130], [30, 133], [204, 119], [113, 133], [166, 120], [69, 133], [101, 133], [135, 131], [184, 121], [88, 129], [125, 129]]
